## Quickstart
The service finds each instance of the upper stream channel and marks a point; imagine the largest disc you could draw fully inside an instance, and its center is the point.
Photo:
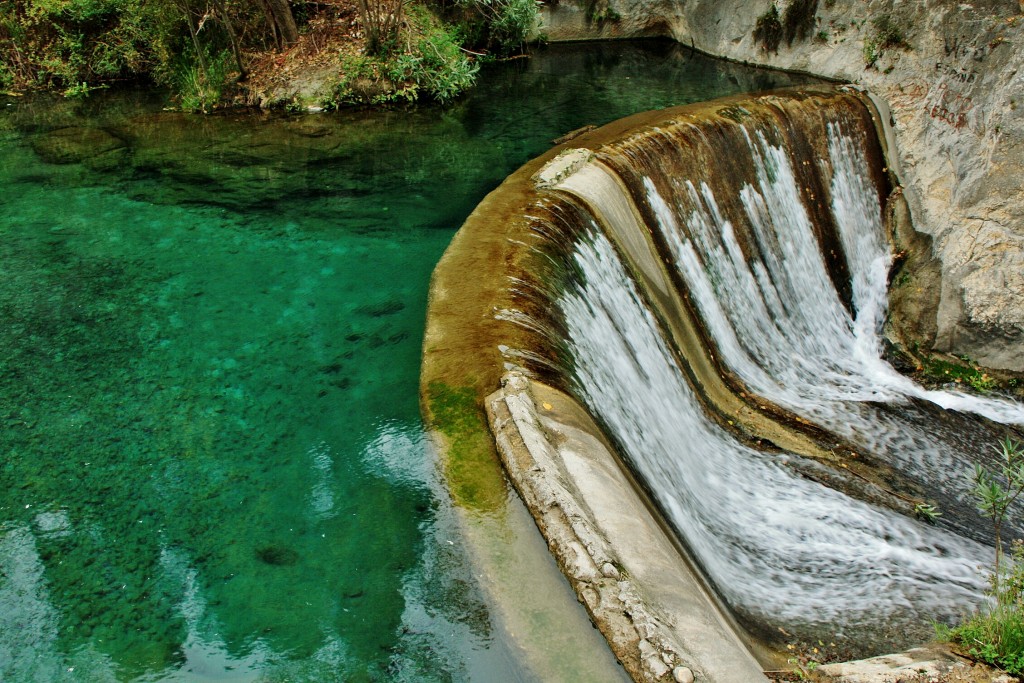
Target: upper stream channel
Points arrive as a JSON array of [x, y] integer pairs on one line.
[[212, 465]]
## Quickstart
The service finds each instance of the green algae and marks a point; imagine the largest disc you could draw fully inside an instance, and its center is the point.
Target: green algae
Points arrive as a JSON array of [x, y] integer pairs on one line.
[[211, 456], [471, 464]]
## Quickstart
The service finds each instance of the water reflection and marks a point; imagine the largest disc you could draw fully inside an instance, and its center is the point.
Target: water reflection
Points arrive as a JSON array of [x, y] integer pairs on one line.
[[213, 463]]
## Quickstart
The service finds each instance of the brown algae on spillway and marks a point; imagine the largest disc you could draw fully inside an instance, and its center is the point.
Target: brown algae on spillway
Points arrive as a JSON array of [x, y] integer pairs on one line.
[[467, 336], [470, 466]]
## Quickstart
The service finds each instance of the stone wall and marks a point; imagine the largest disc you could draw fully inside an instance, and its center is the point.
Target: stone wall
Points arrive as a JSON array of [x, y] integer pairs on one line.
[[956, 95]]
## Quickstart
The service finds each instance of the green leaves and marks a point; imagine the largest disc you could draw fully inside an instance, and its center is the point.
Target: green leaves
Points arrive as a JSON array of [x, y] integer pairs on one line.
[[68, 43], [997, 635], [994, 493], [927, 512], [768, 30], [430, 62], [503, 26]]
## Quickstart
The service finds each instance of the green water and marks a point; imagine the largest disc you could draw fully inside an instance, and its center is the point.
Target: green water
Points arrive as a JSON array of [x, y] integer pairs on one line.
[[212, 465]]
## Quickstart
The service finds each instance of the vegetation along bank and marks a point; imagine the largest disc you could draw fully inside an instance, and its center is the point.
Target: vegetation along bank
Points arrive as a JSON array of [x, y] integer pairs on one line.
[[211, 53]]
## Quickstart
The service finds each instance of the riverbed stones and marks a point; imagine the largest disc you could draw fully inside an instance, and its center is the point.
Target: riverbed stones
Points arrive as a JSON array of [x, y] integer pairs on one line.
[[681, 674], [76, 144], [917, 665]]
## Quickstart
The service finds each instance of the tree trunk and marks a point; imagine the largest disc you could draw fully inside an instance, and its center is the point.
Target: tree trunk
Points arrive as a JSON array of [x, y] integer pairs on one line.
[[236, 49], [272, 24], [285, 22]]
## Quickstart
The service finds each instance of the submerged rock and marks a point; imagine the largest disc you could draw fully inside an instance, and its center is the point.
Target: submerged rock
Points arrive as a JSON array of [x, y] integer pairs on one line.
[[75, 145], [277, 556]]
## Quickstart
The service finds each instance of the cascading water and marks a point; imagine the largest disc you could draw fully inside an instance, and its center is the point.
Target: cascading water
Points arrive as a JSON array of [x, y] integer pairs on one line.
[[765, 223]]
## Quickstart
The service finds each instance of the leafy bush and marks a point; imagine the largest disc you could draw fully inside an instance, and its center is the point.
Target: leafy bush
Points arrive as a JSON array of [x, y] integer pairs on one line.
[[64, 43], [199, 48], [76, 45], [432, 65], [996, 635], [498, 26], [437, 65], [798, 20], [768, 30], [995, 493], [199, 83], [513, 22], [381, 21]]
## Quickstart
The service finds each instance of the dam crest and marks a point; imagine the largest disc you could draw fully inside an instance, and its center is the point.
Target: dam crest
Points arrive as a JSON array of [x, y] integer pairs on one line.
[[699, 295]]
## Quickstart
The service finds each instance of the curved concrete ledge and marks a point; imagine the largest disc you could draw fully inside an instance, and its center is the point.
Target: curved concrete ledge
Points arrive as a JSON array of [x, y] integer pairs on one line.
[[951, 90], [637, 586], [660, 621], [638, 589]]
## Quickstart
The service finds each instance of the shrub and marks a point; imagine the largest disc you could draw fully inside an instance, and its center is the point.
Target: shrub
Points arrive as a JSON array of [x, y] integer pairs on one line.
[[6, 77], [432, 65], [381, 21], [513, 22], [498, 26], [996, 635], [199, 83], [798, 20], [436, 65], [887, 34], [65, 43], [768, 30], [995, 493]]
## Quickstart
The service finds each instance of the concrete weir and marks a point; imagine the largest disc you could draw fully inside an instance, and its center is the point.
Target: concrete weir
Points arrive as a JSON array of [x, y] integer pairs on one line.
[[573, 311], [660, 621], [658, 617]]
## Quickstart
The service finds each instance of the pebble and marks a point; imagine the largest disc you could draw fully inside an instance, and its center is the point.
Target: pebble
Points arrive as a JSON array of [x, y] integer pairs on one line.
[[682, 674]]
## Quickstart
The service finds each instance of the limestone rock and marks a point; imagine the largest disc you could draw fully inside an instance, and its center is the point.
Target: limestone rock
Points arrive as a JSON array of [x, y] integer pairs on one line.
[[917, 664], [681, 674]]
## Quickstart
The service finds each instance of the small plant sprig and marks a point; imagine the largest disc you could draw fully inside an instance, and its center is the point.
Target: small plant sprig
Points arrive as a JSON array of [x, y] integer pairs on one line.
[[927, 512], [996, 635], [887, 33], [994, 493], [768, 30]]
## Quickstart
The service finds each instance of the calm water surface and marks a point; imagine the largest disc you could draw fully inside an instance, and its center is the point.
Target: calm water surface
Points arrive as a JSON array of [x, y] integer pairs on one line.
[[212, 465]]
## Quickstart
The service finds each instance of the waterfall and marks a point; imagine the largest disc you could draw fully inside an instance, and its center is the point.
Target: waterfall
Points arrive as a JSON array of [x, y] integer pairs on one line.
[[720, 297]]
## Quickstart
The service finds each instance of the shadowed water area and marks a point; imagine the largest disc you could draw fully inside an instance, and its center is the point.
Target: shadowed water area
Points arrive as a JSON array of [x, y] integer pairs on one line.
[[213, 466]]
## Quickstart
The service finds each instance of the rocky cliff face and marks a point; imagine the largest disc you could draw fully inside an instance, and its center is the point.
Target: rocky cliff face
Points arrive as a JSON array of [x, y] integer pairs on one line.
[[953, 78]]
